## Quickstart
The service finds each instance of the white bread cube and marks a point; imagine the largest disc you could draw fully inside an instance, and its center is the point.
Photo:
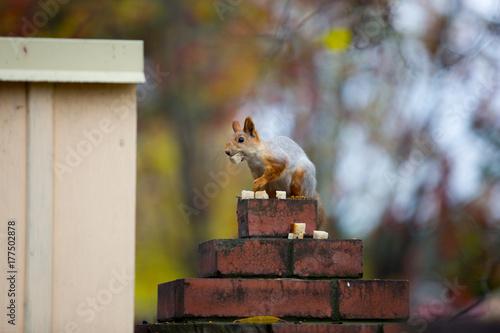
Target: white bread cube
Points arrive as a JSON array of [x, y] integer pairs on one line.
[[320, 234], [247, 194], [261, 195], [236, 158], [297, 228], [280, 194], [296, 236]]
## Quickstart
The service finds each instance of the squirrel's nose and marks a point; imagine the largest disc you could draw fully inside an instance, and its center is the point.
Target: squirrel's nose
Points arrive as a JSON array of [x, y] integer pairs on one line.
[[228, 152]]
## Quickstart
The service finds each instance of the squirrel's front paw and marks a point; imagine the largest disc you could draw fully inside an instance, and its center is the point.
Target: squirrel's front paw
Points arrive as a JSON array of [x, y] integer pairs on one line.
[[258, 184]]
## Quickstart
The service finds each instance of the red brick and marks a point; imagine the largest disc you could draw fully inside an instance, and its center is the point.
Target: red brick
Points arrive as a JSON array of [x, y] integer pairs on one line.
[[269, 257], [373, 299], [272, 217], [237, 298], [328, 258], [243, 257], [170, 299], [207, 258], [325, 328]]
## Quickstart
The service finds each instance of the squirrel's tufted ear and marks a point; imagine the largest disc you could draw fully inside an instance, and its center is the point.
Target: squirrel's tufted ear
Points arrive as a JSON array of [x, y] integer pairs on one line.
[[250, 128], [236, 126]]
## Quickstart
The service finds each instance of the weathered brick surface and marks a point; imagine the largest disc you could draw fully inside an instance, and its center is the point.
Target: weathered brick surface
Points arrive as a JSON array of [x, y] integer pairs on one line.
[[243, 257], [373, 299], [272, 217], [266, 257], [327, 258], [244, 298], [170, 299], [383, 304]]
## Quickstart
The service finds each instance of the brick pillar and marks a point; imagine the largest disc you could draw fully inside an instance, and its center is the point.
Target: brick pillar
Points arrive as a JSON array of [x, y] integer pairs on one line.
[[262, 273]]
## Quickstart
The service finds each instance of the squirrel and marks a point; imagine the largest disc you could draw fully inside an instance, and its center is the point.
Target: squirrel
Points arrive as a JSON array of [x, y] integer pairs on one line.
[[279, 164]]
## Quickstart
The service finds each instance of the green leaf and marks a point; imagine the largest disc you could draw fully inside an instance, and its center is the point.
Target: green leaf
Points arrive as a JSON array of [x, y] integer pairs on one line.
[[337, 39]]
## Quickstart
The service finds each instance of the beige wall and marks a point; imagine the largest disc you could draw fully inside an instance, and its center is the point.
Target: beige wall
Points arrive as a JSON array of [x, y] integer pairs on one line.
[[13, 164], [67, 169]]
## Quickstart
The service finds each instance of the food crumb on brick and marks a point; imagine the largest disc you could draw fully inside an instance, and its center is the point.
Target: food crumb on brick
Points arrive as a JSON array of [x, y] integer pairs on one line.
[[297, 228], [247, 194], [320, 234], [261, 195]]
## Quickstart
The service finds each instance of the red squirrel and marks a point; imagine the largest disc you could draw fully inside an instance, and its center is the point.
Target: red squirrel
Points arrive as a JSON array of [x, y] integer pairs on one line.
[[276, 165]]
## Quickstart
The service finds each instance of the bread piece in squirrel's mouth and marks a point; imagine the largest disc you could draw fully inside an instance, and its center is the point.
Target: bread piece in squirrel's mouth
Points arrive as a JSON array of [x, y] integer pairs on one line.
[[236, 158]]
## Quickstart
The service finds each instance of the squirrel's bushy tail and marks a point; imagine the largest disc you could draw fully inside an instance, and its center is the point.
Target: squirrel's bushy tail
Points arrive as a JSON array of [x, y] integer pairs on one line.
[[320, 213]]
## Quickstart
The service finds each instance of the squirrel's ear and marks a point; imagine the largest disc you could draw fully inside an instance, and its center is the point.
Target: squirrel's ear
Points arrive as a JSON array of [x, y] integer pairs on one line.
[[236, 126], [250, 128]]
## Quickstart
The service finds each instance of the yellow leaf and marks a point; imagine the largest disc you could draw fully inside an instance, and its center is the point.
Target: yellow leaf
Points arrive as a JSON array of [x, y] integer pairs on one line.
[[258, 320], [337, 39]]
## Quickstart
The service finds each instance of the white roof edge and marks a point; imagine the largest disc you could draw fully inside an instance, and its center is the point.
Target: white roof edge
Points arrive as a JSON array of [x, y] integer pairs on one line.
[[71, 60], [21, 75]]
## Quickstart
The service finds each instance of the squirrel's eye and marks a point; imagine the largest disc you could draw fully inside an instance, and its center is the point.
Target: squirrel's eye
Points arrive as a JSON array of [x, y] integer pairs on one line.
[[241, 139]]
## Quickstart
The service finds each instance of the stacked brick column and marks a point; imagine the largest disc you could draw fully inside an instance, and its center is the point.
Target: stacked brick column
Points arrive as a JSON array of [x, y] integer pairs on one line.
[[262, 273]]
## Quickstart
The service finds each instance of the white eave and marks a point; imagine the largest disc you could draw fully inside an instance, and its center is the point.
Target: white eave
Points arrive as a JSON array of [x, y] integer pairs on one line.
[[71, 60]]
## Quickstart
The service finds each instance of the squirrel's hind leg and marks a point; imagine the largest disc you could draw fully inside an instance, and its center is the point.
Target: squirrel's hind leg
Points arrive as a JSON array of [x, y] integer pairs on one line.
[[296, 183], [303, 183]]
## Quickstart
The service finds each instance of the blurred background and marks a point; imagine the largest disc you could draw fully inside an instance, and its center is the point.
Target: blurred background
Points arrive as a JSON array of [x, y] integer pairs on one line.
[[396, 102]]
